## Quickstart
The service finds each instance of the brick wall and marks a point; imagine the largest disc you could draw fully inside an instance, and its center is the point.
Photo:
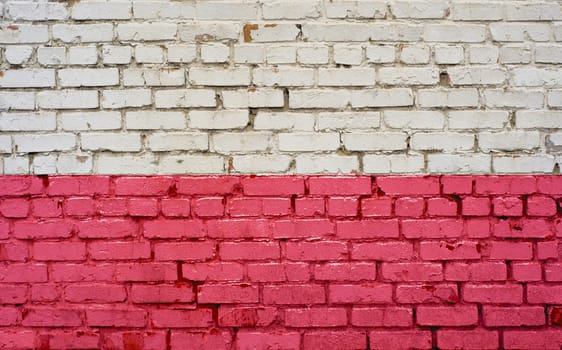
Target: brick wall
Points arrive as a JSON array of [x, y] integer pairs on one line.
[[292, 262], [279, 86]]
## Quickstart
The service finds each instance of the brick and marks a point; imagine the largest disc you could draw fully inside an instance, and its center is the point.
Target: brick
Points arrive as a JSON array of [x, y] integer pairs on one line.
[[523, 339], [400, 339], [223, 271], [385, 251], [200, 340], [107, 229], [462, 250], [474, 339], [376, 207], [477, 271], [161, 293], [261, 340], [59, 251], [142, 207], [312, 251], [228, 294], [381, 317], [94, 293], [340, 206], [116, 317], [334, 340], [367, 229], [493, 294], [316, 317], [432, 228], [447, 315], [181, 318], [73, 340], [293, 294], [412, 271], [495, 316], [119, 250], [149, 340], [234, 316], [302, 228], [43, 229], [405, 185], [47, 317], [511, 251], [249, 251], [552, 272], [345, 271], [191, 251], [365, 293], [278, 272], [145, 272], [418, 294], [173, 228]]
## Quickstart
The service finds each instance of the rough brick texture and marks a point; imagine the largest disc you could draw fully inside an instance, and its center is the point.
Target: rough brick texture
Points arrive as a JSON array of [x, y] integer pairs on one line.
[[281, 86], [296, 262]]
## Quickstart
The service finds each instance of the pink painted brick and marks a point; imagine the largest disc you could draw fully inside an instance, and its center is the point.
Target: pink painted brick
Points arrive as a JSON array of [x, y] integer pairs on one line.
[[457, 184], [460, 250], [385, 251], [212, 339], [189, 251], [526, 271], [95, 293], [143, 186], [263, 340], [433, 228], [409, 185], [477, 271], [309, 206], [475, 206], [316, 251], [549, 184], [381, 206], [477, 339], [145, 272], [335, 340], [523, 228], [220, 271], [541, 206], [427, 293], [51, 317], [382, 317], [116, 317], [151, 340], [47, 207], [532, 339], [14, 339], [245, 207], [498, 316], [343, 206], [14, 251], [400, 340], [279, 272], [14, 207], [176, 207], [23, 273], [249, 251], [112, 207], [273, 185], [237, 316], [70, 340], [297, 294], [345, 271], [161, 293], [507, 206], [276, 206], [181, 318], [43, 229], [493, 293], [239, 228], [44, 293], [59, 251], [78, 185], [553, 272], [147, 207], [477, 228], [79, 207], [441, 207], [511, 250], [173, 228], [365, 229], [406, 206], [316, 317], [9, 316], [119, 250], [548, 250], [339, 185], [505, 184], [302, 228], [208, 207], [107, 228], [363, 293], [412, 272], [227, 294], [13, 294], [453, 316]]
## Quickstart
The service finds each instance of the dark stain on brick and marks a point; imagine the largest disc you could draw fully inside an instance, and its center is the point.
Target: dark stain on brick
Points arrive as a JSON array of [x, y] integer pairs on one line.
[[1, 73], [248, 32], [271, 25], [556, 316], [133, 341], [13, 27]]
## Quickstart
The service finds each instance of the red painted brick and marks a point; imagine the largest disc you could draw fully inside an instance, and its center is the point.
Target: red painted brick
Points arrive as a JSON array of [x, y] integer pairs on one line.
[[81, 272], [47, 207], [382, 317], [385, 251], [279, 272], [240, 207], [364, 293], [143, 186], [523, 228], [548, 250], [78, 185], [9, 316], [44, 293], [173, 228], [531, 340], [176, 207], [235, 316], [400, 340], [119, 250], [477, 228], [406, 206], [497, 316], [343, 206], [412, 272], [151, 340], [302, 228], [335, 340], [441, 207], [17, 339], [190, 251], [441, 228], [227, 293], [14, 207], [493, 293], [426, 293], [4, 229], [507, 206], [477, 271], [541, 206], [477, 339], [43, 229], [462, 250], [372, 207], [208, 207], [213, 339], [13, 294], [316, 251], [549, 184], [553, 272], [59, 251], [207, 185], [249, 251], [22, 273], [457, 184], [222, 271], [273, 185], [145, 272], [408, 185], [247, 228], [112, 206], [339, 185], [263, 340], [366, 229], [116, 317], [345, 272], [476, 206], [181, 318], [107, 228], [505, 184], [14, 251], [70, 340], [526, 272], [147, 207], [161, 293], [511, 250], [554, 316], [309, 206], [453, 316], [51, 317], [95, 293], [295, 294], [316, 317], [79, 207]]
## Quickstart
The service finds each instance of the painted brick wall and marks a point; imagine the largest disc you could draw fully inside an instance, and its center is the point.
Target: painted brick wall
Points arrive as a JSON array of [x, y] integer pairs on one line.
[[227, 262], [276, 86]]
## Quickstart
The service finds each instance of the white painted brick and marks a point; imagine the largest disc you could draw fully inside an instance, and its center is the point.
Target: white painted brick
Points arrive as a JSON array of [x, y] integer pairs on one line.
[[554, 143], [74, 163], [160, 142], [419, 9], [149, 54], [415, 54], [408, 76], [253, 98], [326, 164], [470, 33], [19, 78], [414, 119], [214, 53], [293, 9], [100, 9], [24, 34], [459, 163], [483, 54], [354, 32], [240, 142], [387, 141], [146, 31], [511, 54], [126, 98], [108, 163], [380, 54], [17, 100], [209, 31], [545, 11], [219, 77], [164, 10], [512, 32], [356, 9], [146, 120], [557, 28], [83, 55], [521, 164], [184, 98], [153, 77], [348, 120], [348, 54], [259, 164], [51, 56], [18, 54], [68, 99], [281, 54], [16, 165], [83, 33], [508, 140], [181, 53], [478, 119], [115, 142], [191, 164], [448, 98], [313, 54], [548, 54], [308, 142], [346, 77], [284, 121], [270, 32], [397, 97], [319, 98], [536, 77], [442, 141], [35, 11], [44, 143], [249, 53], [514, 99], [222, 119], [538, 119], [5, 144], [477, 75], [83, 121], [449, 54], [44, 165], [28, 121], [226, 10], [554, 98], [77, 77], [283, 76], [477, 11], [392, 163]]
